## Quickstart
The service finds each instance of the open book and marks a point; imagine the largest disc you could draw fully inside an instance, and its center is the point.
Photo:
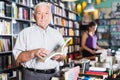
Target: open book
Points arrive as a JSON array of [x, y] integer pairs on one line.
[[57, 50]]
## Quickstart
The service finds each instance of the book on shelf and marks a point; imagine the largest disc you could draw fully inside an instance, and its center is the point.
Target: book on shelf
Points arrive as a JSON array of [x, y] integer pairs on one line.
[[2, 9], [7, 26], [1, 45], [18, 26], [71, 32], [8, 11], [14, 10], [57, 50], [5, 44]]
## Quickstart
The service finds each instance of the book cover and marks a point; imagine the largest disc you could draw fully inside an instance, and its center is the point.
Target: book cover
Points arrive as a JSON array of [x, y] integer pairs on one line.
[[72, 74], [57, 50], [96, 73], [97, 69]]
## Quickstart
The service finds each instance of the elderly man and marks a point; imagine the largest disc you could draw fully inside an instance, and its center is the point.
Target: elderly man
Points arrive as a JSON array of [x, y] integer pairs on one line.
[[36, 42]]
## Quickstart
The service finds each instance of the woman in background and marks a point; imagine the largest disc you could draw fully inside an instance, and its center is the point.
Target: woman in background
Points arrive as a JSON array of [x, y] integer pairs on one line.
[[89, 41]]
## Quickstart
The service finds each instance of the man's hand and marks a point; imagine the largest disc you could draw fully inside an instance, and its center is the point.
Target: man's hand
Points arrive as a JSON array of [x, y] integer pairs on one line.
[[40, 53], [28, 55], [58, 57]]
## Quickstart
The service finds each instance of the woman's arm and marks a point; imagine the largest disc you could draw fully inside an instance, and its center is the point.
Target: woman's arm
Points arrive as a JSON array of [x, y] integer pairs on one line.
[[99, 48]]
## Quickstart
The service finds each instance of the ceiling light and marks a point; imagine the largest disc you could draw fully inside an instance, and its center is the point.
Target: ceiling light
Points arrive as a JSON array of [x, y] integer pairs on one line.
[[89, 7]]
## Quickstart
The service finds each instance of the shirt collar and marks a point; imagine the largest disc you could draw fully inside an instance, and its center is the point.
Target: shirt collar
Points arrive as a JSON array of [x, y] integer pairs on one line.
[[39, 28]]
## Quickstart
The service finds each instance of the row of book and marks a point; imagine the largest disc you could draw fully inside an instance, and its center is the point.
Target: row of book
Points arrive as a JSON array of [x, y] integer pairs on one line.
[[103, 43], [105, 35], [76, 25], [63, 12], [64, 22], [68, 32], [77, 40], [32, 16], [5, 9], [59, 21], [5, 44], [63, 31], [73, 48], [103, 29], [4, 76], [31, 3], [115, 28], [12, 10], [18, 26], [9, 76], [24, 2], [77, 32], [115, 36], [5, 62], [23, 13], [77, 47], [115, 42], [109, 21], [57, 10], [72, 16], [20, 12], [5, 27]]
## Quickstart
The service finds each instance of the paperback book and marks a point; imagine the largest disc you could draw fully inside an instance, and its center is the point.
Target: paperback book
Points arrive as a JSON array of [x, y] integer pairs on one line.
[[57, 50]]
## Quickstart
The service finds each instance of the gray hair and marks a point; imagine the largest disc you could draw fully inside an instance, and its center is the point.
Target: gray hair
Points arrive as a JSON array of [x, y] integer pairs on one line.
[[42, 4]]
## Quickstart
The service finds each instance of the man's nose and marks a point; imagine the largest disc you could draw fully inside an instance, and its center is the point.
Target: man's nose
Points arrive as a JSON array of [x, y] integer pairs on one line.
[[42, 16]]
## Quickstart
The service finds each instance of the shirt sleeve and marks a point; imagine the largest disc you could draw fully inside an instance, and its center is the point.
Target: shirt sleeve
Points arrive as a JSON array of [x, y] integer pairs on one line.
[[19, 45]]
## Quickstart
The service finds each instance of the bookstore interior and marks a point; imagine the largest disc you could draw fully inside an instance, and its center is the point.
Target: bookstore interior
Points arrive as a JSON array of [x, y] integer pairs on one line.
[[71, 18]]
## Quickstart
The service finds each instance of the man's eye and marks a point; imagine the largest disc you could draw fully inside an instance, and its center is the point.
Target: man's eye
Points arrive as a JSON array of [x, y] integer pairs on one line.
[[46, 13], [38, 13]]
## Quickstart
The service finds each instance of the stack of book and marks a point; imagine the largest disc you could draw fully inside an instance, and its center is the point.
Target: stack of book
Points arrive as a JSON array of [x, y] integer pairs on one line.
[[98, 71]]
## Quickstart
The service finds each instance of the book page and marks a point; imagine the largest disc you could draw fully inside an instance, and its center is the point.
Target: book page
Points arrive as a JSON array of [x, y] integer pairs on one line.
[[67, 42]]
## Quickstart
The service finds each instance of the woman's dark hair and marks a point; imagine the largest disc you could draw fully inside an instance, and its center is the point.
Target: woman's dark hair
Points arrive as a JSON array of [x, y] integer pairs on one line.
[[92, 24], [89, 25]]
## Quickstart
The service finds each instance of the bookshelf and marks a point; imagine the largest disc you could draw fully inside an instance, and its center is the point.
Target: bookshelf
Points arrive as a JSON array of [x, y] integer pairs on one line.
[[16, 15], [108, 33]]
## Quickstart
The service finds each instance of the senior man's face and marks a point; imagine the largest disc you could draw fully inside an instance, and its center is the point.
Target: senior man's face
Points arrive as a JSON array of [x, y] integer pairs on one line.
[[42, 16]]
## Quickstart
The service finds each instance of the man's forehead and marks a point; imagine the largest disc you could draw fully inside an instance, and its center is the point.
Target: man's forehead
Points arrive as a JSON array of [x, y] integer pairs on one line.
[[43, 7]]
